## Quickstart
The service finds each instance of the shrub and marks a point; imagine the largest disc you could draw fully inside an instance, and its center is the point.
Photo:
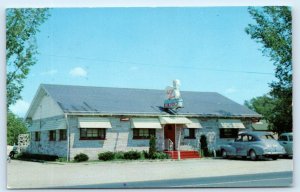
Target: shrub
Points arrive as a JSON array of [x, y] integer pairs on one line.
[[81, 157], [62, 159], [30, 156], [219, 153], [160, 155], [152, 146], [204, 149], [146, 154], [132, 155], [119, 155], [106, 156]]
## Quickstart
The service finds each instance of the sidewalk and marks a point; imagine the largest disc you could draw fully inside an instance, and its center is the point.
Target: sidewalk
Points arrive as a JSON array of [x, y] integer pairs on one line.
[[23, 174]]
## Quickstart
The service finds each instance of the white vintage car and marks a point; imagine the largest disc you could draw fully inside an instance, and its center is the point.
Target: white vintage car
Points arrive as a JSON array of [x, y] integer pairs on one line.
[[254, 145], [286, 140]]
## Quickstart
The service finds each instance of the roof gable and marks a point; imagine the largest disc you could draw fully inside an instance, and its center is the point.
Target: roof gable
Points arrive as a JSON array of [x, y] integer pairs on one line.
[[43, 106]]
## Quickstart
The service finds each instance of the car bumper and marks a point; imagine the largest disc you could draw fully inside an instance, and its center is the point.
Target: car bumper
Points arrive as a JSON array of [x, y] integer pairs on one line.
[[273, 153]]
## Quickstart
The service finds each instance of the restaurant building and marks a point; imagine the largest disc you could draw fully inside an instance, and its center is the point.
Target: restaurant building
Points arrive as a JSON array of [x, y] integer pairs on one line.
[[67, 120]]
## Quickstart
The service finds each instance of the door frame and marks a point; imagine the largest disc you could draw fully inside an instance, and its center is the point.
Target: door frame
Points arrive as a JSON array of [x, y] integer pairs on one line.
[[171, 132]]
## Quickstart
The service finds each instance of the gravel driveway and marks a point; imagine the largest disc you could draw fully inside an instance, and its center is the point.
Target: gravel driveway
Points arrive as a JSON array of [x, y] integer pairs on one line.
[[22, 174]]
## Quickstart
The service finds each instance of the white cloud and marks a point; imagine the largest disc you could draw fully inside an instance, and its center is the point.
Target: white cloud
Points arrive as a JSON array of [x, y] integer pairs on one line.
[[50, 72], [78, 72], [230, 90], [20, 108]]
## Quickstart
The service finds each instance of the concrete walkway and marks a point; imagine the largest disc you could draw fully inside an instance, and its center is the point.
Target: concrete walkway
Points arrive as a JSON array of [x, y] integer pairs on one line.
[[22, 174]]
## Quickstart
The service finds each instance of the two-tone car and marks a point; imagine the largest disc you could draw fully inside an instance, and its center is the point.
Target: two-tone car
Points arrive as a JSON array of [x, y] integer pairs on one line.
[[254, 145]]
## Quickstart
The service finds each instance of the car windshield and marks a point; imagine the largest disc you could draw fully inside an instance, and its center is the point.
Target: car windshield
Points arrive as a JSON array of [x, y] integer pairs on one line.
[[270, 137], [291, 137]]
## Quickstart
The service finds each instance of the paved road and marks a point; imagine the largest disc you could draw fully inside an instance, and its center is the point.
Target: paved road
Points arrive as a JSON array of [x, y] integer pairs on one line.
[[276, 179], [22, 174]]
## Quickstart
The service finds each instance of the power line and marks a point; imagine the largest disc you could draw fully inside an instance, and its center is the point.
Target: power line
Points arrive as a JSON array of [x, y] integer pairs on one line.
[[153, 65]]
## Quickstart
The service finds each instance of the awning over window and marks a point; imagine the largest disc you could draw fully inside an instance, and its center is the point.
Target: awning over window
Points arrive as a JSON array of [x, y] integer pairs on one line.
[[93, 122], [174, 120], [48, 124], [145, 123], [195, 124], [231, 124]]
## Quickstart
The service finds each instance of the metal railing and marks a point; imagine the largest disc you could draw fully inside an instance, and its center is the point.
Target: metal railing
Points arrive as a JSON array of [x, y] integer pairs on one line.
[[169, 145]]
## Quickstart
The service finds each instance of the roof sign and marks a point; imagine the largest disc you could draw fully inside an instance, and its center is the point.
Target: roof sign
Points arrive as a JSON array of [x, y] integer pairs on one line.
[[173, 98]]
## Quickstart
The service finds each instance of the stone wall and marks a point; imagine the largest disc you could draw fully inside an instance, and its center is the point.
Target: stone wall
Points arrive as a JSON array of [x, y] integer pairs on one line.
[[118, 138], [44, 146], [212, 132]]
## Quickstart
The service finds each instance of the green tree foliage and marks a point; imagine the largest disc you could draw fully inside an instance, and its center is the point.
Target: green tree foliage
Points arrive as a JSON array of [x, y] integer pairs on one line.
[[21, 29], [273, 30], [15, 126], [263, 105]]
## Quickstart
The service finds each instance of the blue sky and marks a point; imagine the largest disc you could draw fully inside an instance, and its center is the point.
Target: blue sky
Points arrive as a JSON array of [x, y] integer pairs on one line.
[[207, 49]]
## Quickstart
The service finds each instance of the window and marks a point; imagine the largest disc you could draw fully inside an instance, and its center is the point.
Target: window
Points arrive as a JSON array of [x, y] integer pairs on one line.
[[92, 134], [37, 136], [283, 138], [189, 134], [52, 135], [62, 134], [228, 133], [268, 137], [143, 133]]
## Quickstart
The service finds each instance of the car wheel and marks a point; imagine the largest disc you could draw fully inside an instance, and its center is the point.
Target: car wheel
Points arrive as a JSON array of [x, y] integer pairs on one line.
[[275, 157], [224, 154], [253, 155]]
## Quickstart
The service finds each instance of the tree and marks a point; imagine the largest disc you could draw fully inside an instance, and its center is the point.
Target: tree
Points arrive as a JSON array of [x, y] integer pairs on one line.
[[273, 30], [263, 105], [21, 29], [15, 126]]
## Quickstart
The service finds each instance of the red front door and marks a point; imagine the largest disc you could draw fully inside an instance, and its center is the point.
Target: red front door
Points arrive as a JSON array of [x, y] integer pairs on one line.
[[170, 133]]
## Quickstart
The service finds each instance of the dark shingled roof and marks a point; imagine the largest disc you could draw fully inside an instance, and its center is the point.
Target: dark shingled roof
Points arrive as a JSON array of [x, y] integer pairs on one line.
[[141, 101]]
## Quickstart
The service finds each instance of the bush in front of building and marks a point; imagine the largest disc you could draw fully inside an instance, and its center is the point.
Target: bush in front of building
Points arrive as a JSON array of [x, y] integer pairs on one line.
[[145, 154], [34, 157], [81, 157], [204, 148], [132, 155], [152, 146], [119, 155], [160, 155], [106, 156], [62, 159]]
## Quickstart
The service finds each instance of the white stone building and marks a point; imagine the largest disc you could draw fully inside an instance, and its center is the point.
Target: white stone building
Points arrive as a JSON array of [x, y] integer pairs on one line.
[[67, 120]]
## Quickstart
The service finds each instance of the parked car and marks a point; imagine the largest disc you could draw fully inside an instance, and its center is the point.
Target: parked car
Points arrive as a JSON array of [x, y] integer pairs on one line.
[[13, 152], [286, 140], [253, 145]]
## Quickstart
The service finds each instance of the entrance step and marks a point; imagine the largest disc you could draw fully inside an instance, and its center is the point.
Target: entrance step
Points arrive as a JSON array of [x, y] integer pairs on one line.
[[183, 154]]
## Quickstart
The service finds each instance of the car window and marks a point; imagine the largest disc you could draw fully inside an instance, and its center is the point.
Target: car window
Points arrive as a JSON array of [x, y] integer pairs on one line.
[[291, 137], [269, 137], [254, 139], [251, 138], [239, 138], [283, 138], [245, 138]]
